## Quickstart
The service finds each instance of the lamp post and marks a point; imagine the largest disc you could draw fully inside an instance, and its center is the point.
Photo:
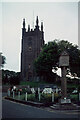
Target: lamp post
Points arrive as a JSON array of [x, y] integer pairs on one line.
[[64, 63]]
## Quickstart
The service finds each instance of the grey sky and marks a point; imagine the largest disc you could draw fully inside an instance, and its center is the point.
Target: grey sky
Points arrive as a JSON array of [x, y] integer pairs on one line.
[[60, 21]]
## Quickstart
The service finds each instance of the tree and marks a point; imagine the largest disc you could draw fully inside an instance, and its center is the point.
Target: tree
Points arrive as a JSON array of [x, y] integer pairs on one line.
[[2, 60], [10, 77], [49, 58]]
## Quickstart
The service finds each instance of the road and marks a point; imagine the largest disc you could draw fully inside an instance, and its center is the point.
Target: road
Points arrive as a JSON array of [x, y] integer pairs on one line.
[[16, 110]]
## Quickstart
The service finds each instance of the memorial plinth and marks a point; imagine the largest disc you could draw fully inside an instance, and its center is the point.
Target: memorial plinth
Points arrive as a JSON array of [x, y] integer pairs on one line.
[[65, 100]]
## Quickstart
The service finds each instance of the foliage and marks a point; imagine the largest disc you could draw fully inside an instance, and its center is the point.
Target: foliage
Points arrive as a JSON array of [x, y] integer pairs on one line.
[[49, 58], [31, 97], [2, 60], [10, 77], [15, 80], [74, 97], [73, 84]]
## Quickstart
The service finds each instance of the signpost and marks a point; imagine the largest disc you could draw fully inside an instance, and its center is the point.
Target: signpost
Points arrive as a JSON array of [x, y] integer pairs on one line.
[[64, 63]]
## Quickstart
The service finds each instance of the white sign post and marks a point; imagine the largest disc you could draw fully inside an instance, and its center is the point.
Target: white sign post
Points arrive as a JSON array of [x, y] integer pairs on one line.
[[26, 96], [39, 95], [19, 95], [53, 97], [13, 94], [56, 90]]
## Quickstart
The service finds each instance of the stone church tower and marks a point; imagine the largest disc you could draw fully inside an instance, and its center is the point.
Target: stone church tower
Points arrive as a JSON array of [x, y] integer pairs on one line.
[[32, 42]]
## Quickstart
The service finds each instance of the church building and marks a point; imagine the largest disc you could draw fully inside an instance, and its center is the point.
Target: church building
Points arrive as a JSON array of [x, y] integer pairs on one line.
[[32, 42]]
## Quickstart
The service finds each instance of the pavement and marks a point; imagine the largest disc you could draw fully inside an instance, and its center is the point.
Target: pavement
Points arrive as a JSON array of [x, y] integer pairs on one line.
[[11, 109], [17, 110], [56, 106]]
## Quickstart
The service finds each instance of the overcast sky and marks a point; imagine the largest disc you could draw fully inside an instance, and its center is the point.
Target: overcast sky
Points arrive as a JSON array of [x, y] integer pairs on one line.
[[60, 21]]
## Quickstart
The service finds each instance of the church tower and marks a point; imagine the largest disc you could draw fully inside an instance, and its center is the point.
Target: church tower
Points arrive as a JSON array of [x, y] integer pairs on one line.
[[32, 42]]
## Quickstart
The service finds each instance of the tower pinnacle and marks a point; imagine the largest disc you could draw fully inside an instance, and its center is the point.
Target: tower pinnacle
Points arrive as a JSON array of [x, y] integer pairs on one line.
[[23, 23], [41, 26], [37, 21], [23, 29]]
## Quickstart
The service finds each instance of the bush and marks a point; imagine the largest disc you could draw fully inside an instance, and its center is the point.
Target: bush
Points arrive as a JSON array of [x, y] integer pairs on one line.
[[31, 97], [46, 97], [74, 97]]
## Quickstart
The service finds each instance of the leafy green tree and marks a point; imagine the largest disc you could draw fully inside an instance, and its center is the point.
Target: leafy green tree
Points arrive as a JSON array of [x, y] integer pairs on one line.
[[49, 58]]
